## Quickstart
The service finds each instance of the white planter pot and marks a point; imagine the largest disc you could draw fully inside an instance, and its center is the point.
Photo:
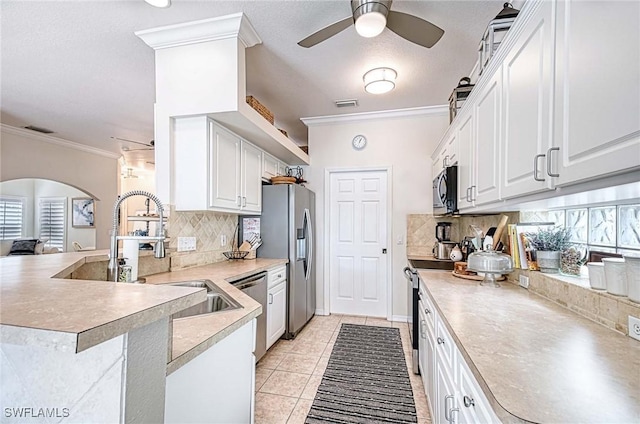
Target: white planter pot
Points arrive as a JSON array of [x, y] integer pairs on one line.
[[615, 274], [596, 275], [548, 261], [632, 266]]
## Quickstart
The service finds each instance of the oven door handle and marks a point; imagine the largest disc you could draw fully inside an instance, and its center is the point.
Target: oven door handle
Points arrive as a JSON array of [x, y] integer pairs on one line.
[[408, 273]]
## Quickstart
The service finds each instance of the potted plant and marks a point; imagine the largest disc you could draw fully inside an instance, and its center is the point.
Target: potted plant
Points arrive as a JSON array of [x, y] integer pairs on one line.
[[549, 244]]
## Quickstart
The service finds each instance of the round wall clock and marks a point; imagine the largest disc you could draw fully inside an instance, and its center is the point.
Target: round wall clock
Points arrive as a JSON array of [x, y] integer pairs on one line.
[[359, 142]]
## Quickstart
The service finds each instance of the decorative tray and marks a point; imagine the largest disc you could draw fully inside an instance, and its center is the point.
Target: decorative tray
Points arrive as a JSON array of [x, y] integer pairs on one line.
[[280, 179]]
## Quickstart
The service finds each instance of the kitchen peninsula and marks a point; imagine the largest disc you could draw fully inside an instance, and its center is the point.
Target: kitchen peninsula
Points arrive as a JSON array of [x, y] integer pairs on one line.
[[102, 346]]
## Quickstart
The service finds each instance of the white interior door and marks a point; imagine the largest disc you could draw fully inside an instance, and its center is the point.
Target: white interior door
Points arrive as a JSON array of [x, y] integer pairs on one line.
[[357, 238]]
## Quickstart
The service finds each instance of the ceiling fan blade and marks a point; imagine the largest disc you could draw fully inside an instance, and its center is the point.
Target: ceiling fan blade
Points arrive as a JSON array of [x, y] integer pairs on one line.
[[326, 32], [150, 144], [414, 29]]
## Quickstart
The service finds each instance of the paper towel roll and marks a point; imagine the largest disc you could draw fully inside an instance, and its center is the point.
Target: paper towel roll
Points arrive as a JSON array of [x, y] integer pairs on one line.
[[130, 251]]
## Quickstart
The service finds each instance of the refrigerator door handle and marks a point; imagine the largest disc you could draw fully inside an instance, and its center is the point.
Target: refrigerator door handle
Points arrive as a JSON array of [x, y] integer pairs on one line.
[[309, 234]]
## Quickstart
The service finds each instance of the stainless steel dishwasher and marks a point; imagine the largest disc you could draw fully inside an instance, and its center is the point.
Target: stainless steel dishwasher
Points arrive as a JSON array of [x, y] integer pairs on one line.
[[255, 286]]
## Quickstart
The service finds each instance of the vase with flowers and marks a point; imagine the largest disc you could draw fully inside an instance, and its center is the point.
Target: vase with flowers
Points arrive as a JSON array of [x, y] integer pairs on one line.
[[549, 243]]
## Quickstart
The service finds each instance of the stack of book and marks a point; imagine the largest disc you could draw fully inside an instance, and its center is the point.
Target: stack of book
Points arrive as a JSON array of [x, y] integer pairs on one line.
[[521, 252]]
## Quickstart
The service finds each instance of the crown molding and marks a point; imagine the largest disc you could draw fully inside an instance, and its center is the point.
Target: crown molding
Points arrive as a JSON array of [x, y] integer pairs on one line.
[[23, 132], [384, 114], [236, 25]]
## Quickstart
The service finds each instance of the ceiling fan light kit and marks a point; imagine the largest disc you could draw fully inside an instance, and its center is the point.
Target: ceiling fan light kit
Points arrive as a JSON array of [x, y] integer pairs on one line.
[[380, 80], [159, 3], [370, 17]]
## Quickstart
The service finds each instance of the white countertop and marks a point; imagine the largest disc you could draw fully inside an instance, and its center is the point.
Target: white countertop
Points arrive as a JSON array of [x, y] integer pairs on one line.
[[535, 360]]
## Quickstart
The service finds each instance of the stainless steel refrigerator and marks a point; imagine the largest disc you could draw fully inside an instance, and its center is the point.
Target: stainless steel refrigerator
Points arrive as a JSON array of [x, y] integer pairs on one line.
[[287, 231]]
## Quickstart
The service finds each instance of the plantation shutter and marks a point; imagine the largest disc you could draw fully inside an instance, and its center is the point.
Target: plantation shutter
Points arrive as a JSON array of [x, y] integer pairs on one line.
[[52, 221], [11, 210]]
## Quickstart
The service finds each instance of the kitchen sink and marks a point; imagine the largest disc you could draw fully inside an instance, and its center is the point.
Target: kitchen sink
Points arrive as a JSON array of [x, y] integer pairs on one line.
[[217, 301]]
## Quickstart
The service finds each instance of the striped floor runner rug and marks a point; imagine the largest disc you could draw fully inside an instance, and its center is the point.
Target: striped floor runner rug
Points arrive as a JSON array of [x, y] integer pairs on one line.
[[366, 380]]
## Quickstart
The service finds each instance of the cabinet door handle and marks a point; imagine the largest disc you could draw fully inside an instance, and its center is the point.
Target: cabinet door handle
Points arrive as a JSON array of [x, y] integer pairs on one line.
[[549, 173], [244, 201], [440, 340], [467, 196], [447, 414], [279, 275], [444, 161], [270, 298], [535, 167], [427, 311], [239, 202], [472, 189], [451, 414], [468, 401], [423, 333]]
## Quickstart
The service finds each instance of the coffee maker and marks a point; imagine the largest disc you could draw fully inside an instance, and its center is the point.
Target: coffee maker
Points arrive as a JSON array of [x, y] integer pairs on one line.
[[443, 231], [443, 246]]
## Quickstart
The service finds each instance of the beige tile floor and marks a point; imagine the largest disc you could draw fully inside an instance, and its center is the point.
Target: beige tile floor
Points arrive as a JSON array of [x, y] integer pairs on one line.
[[289, 374]]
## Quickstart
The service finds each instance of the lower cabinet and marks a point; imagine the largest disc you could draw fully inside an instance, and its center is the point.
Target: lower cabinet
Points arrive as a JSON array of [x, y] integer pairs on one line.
[[276, 305], [218, 385], [454, 394]]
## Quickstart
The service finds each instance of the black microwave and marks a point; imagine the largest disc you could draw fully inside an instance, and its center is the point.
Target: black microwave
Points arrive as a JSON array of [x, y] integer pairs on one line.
[[445, 191]]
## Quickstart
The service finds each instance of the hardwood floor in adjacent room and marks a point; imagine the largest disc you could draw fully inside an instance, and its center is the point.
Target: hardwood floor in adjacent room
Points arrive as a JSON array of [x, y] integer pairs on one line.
[[288, 375]]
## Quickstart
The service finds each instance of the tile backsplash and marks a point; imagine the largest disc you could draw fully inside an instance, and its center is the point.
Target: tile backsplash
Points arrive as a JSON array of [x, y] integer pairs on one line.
[[421, 229], [206, 227]]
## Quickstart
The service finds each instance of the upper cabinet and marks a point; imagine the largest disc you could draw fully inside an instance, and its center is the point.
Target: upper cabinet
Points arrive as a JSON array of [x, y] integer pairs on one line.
[[214, 168], [465, 161], [486, 142], [558, 105], [597, 93], [528, 75], [272, 167]]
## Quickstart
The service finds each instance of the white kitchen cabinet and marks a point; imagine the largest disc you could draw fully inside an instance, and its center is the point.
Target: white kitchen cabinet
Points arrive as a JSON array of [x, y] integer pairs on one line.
[[446, 403], [250, 178], [528, 101], [453, 392], [276, 304], [218, 385], [224, 151], [447, 155], [426, 359], [272, 167], [486, 163], [597, 93], [473, 404], [465, 161], [214, 169]]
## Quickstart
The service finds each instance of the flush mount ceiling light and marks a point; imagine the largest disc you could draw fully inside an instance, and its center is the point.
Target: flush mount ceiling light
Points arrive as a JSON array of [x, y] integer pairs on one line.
[[380, 80], [159, 3]]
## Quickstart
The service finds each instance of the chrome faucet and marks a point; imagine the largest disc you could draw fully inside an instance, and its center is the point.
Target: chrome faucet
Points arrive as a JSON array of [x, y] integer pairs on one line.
[[112, 271]]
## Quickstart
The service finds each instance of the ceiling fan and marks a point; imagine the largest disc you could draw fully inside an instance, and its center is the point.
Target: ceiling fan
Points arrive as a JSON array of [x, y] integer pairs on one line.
[[149, 146], [370, 18]]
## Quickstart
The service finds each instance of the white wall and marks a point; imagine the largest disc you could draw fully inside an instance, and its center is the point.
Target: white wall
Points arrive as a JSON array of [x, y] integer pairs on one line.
[[403, 143], [24, 154]]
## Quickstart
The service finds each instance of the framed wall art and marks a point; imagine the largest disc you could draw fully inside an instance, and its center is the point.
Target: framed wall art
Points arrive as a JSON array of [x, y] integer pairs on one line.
[[83, 212]]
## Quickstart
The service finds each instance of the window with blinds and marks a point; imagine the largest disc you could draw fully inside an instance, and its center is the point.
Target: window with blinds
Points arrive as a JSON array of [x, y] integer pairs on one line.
[[11, 216], [52, 221]]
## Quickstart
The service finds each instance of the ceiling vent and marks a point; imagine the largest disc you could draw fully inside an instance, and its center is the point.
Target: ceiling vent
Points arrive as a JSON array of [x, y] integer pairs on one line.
[[346, 103], [38, 129]]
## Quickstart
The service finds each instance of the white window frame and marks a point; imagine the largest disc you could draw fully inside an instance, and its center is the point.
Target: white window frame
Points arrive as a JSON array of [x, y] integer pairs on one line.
[[63, 201], [12, 199]]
